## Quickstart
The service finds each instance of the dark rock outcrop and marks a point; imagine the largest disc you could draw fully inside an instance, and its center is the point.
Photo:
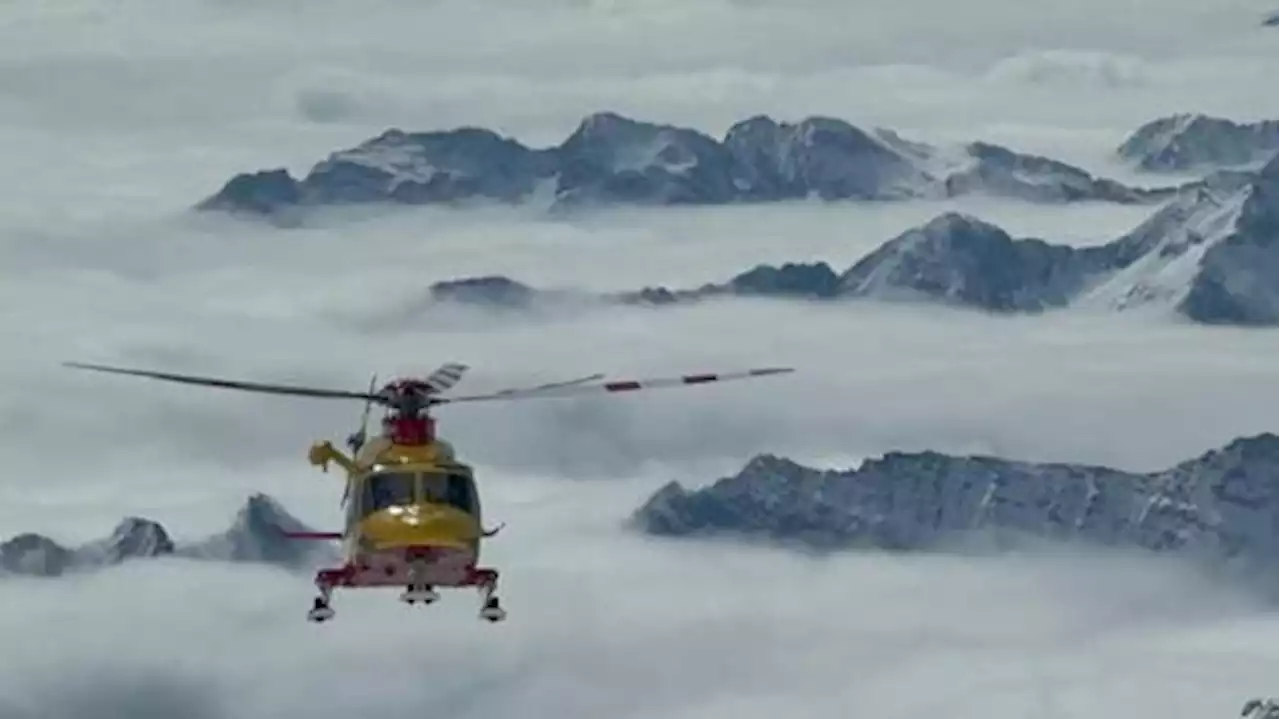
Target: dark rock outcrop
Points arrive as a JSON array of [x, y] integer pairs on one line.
[[489, 290], [1188, 141], [1220, 507], [254, 536], [1236, 282]]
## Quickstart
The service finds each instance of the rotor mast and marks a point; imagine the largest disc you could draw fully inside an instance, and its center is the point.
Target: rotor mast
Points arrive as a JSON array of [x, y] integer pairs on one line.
[[408, 420]]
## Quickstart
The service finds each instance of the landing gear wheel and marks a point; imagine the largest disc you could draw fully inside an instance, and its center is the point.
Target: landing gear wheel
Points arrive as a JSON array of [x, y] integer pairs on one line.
[[413, 595], [492, 611], [320, 611]]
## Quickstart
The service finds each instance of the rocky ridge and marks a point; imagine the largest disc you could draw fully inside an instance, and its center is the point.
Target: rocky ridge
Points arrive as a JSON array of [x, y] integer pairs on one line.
[[1220, 507], [254, 536], [611, 159], [1207, 255], [1192, 141]]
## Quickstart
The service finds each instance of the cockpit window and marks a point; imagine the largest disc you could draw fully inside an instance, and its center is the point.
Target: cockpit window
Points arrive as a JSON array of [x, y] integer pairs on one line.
[[451, 488], [386, 489]]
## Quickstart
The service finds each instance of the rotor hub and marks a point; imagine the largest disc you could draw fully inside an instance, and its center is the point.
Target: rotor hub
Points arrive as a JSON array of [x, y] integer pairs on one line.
[[408, 422]]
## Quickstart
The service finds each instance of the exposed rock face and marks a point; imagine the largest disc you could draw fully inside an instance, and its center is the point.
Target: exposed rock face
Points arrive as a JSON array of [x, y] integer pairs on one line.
[[34, 554], [489, 290], [254, 536], [611, 159], [1219, 507], [1001, 171], [1209, 254], [132, 538], [953, 259], [959, 259], [825, 157], [1189, 141]]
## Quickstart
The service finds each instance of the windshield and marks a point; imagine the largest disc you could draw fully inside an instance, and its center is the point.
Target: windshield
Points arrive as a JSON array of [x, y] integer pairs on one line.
[[453, 489], [386, 489]]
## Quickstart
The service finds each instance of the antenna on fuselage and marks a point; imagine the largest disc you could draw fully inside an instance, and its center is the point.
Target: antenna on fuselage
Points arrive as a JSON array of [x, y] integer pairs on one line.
[[357, 439]]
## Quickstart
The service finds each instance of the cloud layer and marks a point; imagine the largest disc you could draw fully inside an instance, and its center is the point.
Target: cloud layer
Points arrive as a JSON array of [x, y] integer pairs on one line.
[[113, 123], [607, 624]]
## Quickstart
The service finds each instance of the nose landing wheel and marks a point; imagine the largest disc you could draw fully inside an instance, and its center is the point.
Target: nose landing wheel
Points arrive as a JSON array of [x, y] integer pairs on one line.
[[424, 594]]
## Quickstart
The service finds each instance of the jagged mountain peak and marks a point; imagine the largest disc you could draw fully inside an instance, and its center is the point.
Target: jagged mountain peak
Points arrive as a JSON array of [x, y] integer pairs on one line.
[[611, 158], [132, 537], [1191, 140], [262, 512], [1220, 507], [956, 258], [255, 535]]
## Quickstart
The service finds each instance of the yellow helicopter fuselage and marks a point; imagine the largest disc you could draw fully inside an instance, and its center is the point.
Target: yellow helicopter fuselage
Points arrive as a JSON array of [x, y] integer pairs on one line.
[[407, 504]]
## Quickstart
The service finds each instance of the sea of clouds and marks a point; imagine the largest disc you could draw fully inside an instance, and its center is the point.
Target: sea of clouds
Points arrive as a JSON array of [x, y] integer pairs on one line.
[[115, 119]]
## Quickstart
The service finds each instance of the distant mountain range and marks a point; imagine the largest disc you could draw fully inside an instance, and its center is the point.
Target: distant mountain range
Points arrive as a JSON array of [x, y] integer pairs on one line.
[[1209, 254], [254, 536], [611, 159], [1220, 508]]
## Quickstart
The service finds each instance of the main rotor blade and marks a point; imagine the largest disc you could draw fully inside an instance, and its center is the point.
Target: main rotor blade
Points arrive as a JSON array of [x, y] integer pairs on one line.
[[230, 384], [575, 387], [551, 385]]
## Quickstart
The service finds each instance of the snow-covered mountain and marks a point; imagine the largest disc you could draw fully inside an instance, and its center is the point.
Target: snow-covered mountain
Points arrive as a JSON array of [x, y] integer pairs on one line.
[[614, 159], [1209, 254], [1191, 141], [954, 258], [254, 536], [1220, 507]]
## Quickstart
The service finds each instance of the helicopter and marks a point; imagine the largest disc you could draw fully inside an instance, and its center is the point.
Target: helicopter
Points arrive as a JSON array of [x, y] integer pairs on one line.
[[412, 510]]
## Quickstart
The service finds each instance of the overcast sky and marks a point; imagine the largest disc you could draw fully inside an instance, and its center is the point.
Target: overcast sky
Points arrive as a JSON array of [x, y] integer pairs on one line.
[[114, 119]]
